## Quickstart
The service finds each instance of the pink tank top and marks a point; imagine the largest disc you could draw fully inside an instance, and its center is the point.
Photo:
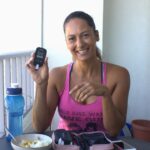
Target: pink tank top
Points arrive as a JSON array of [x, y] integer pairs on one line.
[[76, 116]]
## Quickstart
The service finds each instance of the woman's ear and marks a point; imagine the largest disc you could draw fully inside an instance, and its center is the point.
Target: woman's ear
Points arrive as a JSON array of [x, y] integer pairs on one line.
[[97, 35]]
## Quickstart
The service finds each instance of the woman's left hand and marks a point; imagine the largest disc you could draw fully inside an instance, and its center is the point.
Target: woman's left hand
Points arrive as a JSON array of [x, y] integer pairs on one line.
[[86, 89]]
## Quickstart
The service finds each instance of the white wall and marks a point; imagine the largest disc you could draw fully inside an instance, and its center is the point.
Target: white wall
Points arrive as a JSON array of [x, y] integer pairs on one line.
[[126, 41], [20, 25]]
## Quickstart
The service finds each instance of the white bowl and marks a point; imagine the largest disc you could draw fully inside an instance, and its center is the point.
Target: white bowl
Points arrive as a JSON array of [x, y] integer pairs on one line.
[[44, 142]]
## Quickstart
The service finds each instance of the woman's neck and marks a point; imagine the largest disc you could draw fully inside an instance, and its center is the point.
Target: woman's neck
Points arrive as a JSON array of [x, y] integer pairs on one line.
[[87, 69]]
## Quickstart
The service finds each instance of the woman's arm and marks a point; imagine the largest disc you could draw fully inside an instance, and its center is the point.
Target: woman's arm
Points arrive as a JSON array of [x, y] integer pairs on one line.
[[40, 111], [46, 96], [114, 95], [115, 102], [46, 102]]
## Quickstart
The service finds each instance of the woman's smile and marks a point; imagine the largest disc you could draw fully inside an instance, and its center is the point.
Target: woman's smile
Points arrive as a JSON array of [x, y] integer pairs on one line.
[[82, 52]]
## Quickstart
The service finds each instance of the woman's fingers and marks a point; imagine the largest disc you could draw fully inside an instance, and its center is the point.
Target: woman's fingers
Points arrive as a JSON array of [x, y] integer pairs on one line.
[[46, 60], [82, 91], [75, 88], [85, 94], [29, 63], [40, 75]]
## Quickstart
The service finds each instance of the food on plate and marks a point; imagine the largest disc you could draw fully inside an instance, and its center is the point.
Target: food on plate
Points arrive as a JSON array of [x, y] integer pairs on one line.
[[33, 143]]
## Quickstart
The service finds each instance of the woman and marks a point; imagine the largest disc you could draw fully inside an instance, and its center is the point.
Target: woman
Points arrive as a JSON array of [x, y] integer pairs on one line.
[[90, 94]]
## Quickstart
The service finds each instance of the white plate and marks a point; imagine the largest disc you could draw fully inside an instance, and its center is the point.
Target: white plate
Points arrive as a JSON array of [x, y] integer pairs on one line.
[[40, 137]]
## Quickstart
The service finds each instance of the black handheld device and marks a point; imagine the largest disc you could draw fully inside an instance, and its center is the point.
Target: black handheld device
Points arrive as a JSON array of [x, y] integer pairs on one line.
[[40, 55]]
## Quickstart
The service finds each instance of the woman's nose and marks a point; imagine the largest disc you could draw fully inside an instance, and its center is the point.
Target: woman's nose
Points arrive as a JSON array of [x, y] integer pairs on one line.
[[79, 43]]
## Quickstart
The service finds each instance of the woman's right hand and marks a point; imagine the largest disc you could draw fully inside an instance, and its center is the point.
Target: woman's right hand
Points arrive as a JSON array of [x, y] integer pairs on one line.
[[40, 76]]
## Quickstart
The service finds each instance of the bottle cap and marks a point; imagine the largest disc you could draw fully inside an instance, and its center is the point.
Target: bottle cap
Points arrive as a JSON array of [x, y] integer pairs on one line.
[[14, 89], [15, 85]]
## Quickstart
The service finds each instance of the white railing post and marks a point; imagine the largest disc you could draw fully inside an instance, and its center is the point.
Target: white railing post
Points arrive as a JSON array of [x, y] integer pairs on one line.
[[1, 98]]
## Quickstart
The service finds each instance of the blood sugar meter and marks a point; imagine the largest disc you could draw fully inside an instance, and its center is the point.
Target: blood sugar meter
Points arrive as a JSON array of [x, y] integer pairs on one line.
[[40, 55]]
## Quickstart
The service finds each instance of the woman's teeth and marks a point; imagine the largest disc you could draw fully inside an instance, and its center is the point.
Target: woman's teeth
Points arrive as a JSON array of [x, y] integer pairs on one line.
[[82, 52]]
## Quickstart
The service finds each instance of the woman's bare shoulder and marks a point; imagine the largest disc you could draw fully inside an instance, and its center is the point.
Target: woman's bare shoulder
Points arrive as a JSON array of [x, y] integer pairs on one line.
[[115, 67], [57, 76], [57, 71], [117, 72]]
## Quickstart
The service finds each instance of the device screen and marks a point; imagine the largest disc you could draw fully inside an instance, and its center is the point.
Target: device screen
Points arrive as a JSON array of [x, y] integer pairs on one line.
[[40, 55]]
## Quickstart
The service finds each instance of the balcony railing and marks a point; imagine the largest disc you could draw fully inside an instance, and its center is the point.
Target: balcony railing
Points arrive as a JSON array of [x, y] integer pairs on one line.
[[12, 70]]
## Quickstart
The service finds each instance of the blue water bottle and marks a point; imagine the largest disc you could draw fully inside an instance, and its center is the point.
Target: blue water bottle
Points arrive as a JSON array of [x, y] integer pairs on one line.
[[14, 104]]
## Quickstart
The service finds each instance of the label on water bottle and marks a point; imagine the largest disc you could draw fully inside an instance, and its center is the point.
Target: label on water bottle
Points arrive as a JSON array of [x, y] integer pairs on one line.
[[14, 124], [14, 105]]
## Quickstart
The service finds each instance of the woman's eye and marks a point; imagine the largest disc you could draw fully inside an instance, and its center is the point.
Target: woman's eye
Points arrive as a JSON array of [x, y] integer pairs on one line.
[[70, 39], [85, 35]]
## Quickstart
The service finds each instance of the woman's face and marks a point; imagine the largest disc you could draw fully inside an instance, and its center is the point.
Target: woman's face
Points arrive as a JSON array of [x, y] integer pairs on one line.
[[81, 39]]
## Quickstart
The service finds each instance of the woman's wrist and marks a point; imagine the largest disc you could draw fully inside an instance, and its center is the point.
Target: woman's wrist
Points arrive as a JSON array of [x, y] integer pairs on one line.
[[42, 85], [106, 93]]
